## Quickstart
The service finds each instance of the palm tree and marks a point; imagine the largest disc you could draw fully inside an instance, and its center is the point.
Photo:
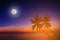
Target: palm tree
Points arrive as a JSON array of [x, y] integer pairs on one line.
[[46, 21], [36, 21]]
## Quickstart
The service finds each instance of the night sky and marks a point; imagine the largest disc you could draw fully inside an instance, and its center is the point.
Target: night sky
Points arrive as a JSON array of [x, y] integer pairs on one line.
[[26, 10]]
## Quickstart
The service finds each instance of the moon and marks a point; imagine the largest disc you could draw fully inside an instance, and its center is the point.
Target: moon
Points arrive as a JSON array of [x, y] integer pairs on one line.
[[13, 11]]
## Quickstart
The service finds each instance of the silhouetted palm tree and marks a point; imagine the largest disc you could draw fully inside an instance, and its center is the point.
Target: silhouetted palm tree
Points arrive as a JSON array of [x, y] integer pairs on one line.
[[36, 21], [46, 22]]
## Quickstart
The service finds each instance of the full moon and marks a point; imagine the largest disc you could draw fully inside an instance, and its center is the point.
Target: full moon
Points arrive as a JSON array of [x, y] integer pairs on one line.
[[14, 11]]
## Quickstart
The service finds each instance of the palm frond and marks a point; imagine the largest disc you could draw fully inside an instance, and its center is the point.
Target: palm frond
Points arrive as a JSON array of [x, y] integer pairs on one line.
[[33, 27]]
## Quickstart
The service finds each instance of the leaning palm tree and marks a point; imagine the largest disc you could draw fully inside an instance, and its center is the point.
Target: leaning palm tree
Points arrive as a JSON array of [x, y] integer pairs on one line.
[[36, 21]]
